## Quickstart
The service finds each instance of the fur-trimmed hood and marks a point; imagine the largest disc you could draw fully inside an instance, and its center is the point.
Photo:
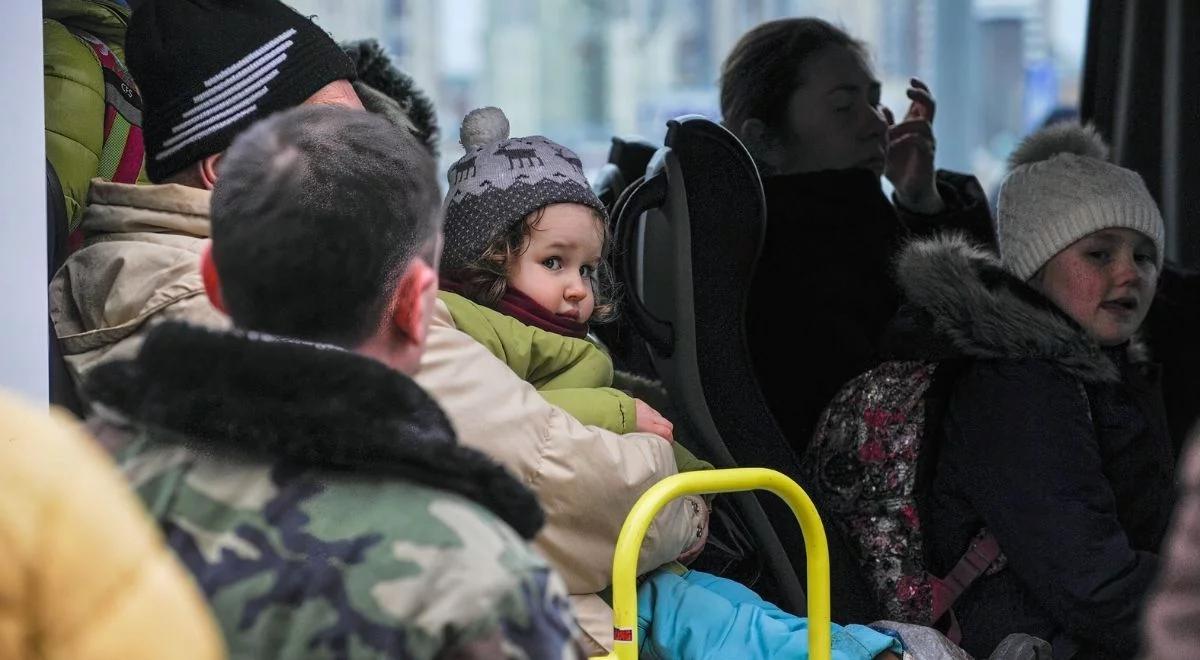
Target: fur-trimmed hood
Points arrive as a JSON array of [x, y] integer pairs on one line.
[[321, 407], [384, 89], [963, 303]]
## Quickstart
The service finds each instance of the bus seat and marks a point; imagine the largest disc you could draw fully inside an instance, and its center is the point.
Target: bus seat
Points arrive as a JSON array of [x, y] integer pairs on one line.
[[608, 185], [627, 160], [688, 237], [631, 155]]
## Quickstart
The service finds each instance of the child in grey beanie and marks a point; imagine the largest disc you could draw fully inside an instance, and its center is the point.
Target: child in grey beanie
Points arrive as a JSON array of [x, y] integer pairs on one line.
[[524, 267], [500, 181], [1053, 436], [1083, 231]]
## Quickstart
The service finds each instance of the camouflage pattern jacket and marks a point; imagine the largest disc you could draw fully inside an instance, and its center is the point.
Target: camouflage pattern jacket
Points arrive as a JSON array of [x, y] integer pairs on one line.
[[324, 506]]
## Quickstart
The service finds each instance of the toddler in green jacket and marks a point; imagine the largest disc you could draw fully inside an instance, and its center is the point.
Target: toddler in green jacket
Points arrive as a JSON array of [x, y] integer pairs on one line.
[[523, 272]]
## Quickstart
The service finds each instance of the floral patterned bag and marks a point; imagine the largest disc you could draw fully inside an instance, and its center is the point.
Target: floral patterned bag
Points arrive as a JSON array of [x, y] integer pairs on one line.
[[870, 458]]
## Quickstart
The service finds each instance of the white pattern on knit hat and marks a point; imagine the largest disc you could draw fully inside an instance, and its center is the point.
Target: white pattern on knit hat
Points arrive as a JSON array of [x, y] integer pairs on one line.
[[1060, 189], [501, 180], [230, 94]]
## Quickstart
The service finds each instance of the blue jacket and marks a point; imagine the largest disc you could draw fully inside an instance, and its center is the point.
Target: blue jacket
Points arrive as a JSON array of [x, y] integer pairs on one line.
[[697, 615]]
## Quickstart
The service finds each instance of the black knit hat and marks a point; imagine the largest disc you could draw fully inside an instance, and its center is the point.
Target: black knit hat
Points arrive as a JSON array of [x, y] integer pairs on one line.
[[207, 69]]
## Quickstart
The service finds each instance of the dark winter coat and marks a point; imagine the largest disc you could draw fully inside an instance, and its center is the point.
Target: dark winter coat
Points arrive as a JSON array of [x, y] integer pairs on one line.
[[322, 503], [827, 262], [1057, 446]]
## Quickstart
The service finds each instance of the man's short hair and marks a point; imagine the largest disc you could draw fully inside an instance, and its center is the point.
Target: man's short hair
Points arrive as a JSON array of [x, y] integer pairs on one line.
[[317, 213]]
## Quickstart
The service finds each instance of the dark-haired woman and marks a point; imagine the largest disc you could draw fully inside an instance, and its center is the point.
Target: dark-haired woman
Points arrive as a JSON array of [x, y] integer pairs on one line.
[[801, 96]]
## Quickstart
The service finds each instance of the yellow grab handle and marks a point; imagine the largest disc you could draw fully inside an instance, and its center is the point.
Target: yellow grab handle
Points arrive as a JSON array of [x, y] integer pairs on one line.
[[629, 543]]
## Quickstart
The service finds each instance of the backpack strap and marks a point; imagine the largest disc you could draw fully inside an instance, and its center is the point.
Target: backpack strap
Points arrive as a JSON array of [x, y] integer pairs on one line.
[[983, 557], [123, 151]]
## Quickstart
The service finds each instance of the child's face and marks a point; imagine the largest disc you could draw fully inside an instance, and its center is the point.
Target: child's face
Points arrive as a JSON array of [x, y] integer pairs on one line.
[[558, 267], [1105, 281]]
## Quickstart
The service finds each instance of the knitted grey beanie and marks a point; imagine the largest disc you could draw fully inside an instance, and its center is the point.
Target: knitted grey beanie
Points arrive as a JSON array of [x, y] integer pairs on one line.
[[500, 181], [1061, 188]]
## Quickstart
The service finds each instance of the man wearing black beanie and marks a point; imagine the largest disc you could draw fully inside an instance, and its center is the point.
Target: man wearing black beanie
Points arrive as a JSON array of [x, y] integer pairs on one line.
[[206, 70]]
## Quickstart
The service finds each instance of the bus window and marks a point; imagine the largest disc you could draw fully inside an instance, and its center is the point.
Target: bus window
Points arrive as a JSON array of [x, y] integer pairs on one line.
[[584, 70]]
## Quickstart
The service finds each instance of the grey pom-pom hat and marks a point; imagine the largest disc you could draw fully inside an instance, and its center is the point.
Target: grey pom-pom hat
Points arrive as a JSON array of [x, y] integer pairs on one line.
[[499, 181]]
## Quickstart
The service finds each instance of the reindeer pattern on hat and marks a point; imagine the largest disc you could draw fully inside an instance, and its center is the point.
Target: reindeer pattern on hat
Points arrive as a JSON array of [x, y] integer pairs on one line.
[[500, 180], [509, 162]]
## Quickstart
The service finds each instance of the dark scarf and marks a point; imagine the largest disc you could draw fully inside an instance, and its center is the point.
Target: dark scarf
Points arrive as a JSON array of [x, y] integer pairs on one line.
[[521, 307]]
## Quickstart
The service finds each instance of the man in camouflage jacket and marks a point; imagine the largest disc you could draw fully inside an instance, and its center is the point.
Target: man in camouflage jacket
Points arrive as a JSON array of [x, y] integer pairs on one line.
[[316, 493]]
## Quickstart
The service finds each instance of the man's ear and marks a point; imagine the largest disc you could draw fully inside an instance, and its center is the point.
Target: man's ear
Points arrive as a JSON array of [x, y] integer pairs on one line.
[[413, 301], [208, 170], [208, 273]]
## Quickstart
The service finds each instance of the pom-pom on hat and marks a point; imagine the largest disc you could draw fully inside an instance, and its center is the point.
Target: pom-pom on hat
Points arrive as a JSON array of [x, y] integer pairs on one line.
[[1059, 189], [499, 181]]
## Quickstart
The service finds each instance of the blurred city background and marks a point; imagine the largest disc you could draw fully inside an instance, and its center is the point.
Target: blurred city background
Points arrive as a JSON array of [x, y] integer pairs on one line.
[[581, 71]]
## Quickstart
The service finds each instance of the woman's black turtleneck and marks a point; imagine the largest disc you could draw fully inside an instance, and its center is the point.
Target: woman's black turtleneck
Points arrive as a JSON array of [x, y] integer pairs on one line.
[[824, 293]]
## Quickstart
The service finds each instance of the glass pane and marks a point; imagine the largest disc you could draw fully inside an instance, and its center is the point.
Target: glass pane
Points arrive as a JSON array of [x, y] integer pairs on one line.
[[581, 71]]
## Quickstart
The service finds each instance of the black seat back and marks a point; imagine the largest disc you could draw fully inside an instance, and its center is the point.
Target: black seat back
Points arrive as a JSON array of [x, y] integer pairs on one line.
[[688, 264], [655, 265], [627, 161], [608, 184]]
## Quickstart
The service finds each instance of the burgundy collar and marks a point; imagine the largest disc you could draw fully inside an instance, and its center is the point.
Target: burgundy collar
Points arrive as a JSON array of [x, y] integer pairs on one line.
[[526, 310]]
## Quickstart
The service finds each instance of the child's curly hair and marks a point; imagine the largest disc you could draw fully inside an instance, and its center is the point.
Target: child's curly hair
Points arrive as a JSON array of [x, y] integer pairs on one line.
[[485, 280]]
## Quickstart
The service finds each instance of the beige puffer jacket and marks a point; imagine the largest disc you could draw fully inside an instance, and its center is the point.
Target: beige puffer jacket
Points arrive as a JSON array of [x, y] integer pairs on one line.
[[587, 479], [139, 265]]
